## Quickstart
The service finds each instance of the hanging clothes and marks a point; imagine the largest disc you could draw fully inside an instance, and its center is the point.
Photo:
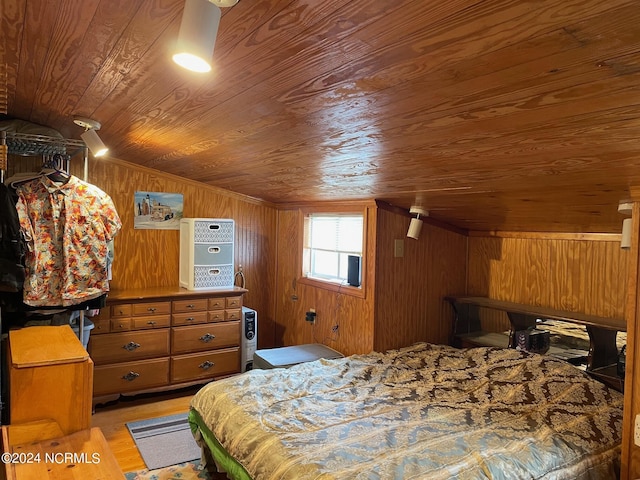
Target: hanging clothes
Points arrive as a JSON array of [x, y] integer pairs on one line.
[[12, 246], [66, 227]]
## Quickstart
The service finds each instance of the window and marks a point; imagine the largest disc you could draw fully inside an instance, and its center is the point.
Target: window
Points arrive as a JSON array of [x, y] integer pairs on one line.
[[329, 239]]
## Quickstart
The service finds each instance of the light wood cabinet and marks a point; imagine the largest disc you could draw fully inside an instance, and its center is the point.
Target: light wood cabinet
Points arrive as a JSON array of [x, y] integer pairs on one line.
[[50, 377], [165, 338]]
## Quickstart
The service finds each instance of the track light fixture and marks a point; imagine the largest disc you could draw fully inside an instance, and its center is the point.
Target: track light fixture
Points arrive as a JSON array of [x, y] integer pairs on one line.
[[198, 32], [416, 223], [90, 137], [626, 208]]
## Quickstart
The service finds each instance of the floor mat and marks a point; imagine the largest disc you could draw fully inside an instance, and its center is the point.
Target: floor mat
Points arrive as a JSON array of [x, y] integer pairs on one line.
[[164, 441]]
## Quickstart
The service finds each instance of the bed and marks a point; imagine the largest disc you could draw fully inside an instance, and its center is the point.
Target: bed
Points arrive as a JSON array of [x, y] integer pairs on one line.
[[425, 411]]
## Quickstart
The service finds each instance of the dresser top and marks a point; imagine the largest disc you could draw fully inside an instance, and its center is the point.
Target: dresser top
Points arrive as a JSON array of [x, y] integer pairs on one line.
[[165, 292]]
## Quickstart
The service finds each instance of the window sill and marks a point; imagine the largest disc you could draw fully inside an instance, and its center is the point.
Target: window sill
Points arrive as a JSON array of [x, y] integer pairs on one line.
[[334, 287]]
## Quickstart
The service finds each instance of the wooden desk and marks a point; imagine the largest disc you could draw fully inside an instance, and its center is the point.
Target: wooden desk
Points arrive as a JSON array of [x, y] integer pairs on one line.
[[80, 456]]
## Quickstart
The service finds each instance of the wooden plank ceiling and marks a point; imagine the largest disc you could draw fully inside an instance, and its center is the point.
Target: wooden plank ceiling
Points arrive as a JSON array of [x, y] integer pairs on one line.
[[493, 115]]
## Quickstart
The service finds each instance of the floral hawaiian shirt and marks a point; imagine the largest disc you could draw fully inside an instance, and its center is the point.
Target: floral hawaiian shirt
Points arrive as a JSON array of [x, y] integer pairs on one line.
[[67, 227]]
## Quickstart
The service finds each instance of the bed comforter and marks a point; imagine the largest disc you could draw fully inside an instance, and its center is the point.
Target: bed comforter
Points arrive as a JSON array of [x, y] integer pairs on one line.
[[426, 411]]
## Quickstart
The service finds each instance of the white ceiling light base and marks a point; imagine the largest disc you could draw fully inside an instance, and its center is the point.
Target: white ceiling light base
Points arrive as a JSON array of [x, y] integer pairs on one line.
[[87, 123], [415, 210]]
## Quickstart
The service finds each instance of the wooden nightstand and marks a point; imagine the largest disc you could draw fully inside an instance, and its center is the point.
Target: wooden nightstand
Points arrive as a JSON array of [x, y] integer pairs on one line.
[[50, 377]]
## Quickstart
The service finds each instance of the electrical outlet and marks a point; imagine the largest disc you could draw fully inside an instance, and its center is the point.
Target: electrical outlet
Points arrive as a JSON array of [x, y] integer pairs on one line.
[[310, 316], [636, 431]]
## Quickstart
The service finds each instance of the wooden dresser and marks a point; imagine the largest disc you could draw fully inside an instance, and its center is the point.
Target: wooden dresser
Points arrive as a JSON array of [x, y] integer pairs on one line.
[[164, 338]]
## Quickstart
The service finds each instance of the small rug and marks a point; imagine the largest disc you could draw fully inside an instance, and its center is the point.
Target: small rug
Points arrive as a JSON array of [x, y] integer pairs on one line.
[[183, 471], [164, 441]]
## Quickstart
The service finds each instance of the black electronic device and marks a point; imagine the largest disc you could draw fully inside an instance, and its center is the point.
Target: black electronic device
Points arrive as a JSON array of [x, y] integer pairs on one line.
[[354, 272]]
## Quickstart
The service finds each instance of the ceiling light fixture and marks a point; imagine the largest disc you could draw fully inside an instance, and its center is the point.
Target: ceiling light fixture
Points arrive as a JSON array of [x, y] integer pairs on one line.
[[90, 137], [198, 32], [416, 223], [626, 208]]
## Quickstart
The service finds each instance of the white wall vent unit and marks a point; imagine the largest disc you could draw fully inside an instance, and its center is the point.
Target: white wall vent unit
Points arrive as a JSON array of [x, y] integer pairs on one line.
[[206, 253]]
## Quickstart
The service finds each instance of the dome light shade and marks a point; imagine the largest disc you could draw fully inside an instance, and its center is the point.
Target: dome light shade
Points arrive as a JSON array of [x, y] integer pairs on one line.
[[197, 37]]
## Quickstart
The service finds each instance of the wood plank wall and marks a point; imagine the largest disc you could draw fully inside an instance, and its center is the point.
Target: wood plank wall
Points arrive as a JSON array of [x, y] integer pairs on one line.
[[352, 314], [410, 289], [576, 273], [406, 305], [146, 258]]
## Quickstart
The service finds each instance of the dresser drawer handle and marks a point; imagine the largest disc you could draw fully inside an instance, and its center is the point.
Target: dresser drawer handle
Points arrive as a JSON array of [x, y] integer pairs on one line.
[[207, 337], [206, 365], [234, 302], [152, 309], [190, 319], [131, 346], [151, 322], [131, 376], [191, 305]]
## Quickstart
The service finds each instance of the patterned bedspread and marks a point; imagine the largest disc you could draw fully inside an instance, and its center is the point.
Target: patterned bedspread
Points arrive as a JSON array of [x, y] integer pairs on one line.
[[426, 411]]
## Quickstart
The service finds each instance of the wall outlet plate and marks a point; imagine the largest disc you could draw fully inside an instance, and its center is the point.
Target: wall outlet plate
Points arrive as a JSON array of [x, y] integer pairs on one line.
[[310, 316], [636, 431]]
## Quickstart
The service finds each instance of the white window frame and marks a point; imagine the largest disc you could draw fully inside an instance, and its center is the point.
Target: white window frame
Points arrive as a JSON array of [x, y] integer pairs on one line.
[[330, 282]]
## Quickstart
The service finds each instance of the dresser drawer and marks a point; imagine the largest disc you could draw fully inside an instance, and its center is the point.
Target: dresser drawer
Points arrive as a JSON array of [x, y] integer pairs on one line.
[[121, 310], [126, 346], [233, 302], [203, 365], [120, 324], [100, 325], [189, 318], [183, 306], [217, 303], [130, 376], [216, 316], [157, 321], [153, 308], [205, 337], [232, 314]]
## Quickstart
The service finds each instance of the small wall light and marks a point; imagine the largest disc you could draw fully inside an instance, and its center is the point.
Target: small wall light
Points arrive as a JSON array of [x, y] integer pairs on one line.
[[415, 226], [90, 137], [626, 208], [198, 32]]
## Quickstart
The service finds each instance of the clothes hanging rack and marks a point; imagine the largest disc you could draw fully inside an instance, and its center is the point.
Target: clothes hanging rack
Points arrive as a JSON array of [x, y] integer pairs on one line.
[[29, 145]]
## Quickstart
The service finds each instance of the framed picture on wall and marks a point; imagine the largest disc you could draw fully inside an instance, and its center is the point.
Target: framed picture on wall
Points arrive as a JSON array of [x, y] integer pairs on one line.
[[157, 211]]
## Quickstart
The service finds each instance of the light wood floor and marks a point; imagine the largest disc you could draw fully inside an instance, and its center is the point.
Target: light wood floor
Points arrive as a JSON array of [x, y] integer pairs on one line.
[[112, 418]]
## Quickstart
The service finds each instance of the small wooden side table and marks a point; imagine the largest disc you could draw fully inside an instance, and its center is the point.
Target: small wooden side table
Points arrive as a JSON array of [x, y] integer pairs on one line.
[[79, 456]]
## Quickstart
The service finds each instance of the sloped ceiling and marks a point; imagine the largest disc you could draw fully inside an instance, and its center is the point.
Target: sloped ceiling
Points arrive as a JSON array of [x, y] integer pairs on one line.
[[493, 115]]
